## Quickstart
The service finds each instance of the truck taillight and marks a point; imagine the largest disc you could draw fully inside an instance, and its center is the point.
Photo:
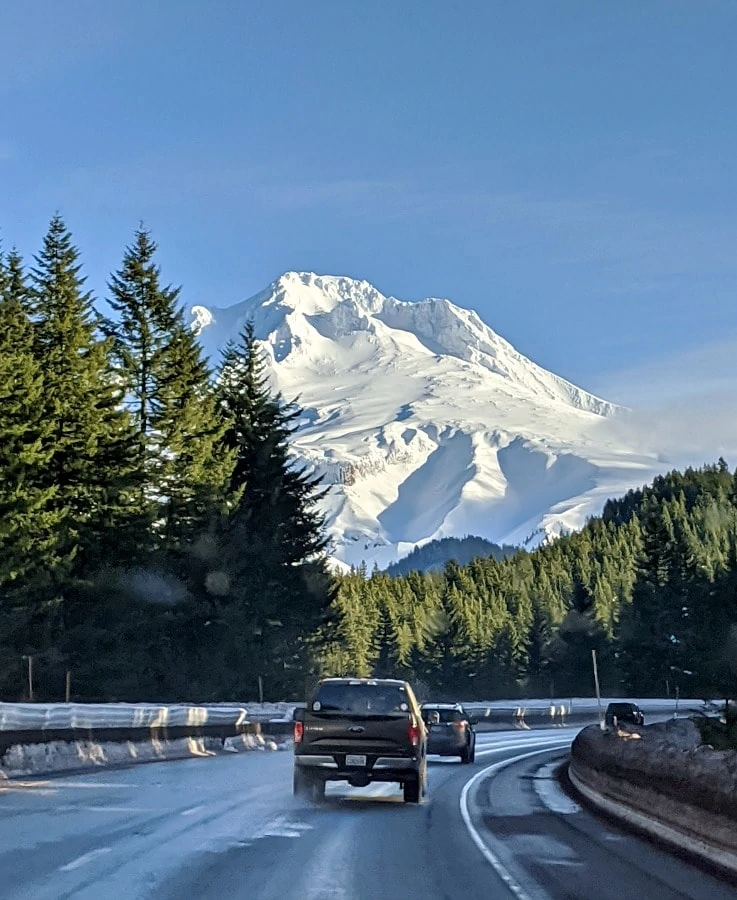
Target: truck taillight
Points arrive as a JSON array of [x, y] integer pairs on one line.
[[460, 726], [299, 730], [413, 733]]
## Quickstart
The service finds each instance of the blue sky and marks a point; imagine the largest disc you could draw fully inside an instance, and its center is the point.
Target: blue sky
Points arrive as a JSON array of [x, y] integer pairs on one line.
[[567, 169]]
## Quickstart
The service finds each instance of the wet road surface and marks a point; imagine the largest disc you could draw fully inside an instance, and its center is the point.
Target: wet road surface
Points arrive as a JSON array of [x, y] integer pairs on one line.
[[228, 827]]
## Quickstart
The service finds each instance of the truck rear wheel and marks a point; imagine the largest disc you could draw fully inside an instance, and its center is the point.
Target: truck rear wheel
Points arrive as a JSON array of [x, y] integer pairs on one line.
[[412, 790], [300, 784], [308, 787]]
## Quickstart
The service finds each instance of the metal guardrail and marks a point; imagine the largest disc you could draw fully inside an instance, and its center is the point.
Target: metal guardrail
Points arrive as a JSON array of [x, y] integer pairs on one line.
[[524, 717], [23, 724], [71, 716], [114, 722]]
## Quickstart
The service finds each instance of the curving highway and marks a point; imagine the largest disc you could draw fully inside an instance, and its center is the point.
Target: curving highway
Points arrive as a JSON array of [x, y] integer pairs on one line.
[[229, 828]]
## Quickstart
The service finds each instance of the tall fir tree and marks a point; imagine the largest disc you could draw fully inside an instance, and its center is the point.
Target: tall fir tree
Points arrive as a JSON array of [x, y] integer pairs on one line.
[[183, 467], [274, 538], [29, 516], [91, 466]]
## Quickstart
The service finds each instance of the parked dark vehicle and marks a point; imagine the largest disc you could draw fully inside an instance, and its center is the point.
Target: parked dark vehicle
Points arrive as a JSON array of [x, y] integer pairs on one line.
[[450, 730], [360, 730], [623, 714]]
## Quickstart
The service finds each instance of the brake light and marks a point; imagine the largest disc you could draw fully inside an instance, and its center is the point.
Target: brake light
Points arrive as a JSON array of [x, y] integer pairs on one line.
[[299, 730], [413, 732], [460, 726]]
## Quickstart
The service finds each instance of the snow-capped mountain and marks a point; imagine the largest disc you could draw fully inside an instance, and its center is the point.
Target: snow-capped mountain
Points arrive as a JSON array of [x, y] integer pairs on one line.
[[424, 421]]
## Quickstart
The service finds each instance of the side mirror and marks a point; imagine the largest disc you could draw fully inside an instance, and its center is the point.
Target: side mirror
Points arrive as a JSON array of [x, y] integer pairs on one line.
[[472, 720], [298, 715]]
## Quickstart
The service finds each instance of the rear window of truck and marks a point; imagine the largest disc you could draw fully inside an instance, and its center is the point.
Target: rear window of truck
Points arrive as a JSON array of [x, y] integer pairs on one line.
[[361, 699], [446, 715]]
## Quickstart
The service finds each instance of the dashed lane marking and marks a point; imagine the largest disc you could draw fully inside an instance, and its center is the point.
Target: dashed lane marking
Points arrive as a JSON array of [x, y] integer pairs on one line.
[[85, 858]]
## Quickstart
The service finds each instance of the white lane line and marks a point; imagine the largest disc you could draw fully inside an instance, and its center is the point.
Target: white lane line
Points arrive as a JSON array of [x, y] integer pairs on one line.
[[92, 785], [519, 746], [536, 735], [112, 809], [514, 886], [85, 858], [282, 832], [278, 827], [281, 826], [192, 810]]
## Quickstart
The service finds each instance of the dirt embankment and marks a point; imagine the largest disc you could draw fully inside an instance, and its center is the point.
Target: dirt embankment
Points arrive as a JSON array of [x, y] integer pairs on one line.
[[668, 759]]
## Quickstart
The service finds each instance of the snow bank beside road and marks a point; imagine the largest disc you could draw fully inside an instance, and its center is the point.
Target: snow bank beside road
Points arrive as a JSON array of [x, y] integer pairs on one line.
[[63, 756], [667, 757], [38, 738], [661, 779]]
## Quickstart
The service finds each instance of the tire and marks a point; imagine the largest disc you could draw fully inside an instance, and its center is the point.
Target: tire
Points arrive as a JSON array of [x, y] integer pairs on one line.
[[318, 790], [307, 787], [467, 755], [412, 790], [301, 785]]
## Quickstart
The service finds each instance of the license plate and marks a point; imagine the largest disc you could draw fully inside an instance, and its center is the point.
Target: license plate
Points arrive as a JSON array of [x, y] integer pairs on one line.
[[355, 760], [436, 728]]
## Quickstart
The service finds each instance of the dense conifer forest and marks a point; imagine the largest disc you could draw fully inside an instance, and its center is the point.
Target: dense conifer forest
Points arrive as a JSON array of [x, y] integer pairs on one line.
[[157, 540]]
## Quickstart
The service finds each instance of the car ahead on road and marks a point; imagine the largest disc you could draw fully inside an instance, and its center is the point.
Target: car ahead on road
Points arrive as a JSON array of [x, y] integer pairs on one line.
[[450, 730], [360, 730], [623, 714]]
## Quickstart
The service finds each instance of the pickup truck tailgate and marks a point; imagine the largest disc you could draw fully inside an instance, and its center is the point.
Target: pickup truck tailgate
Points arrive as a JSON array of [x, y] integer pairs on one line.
[[332, 734]]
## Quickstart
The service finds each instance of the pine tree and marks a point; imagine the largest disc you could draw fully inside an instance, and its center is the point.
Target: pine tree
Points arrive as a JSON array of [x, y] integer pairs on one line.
[[88, 470], [194, 463], [29, 518], [182, 466], [274, 539], [91, 465]]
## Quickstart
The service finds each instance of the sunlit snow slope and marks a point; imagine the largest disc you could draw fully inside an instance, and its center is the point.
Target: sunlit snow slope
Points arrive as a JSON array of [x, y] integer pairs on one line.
[[424, 421]]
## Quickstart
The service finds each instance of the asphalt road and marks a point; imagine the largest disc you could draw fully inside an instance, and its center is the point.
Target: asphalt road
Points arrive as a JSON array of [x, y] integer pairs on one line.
[[228, 827]]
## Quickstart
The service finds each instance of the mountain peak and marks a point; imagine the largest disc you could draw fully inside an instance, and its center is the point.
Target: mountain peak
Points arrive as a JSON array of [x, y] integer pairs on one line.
[[308, 292], [424, 422]]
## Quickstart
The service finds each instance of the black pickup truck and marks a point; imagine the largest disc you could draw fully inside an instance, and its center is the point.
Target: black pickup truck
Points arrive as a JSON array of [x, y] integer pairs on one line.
[[360, 730]]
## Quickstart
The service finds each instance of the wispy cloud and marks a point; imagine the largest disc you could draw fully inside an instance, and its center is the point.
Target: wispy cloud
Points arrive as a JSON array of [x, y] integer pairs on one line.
[[701, 371], [634, 250], [683, 407], [643, 248]]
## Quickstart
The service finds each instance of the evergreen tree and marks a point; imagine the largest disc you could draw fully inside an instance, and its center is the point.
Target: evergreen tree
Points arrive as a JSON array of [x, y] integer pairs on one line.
[[273, 540], [88, 471], [194, 463], [182, 467], [91, 464], [29, 518]]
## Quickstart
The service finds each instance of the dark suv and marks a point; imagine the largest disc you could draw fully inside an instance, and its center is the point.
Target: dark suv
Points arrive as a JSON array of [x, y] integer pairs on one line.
[[450, 730], [360, 730], [623, 714]]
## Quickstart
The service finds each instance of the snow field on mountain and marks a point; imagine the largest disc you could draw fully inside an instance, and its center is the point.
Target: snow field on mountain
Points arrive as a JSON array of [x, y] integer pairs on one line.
[[425, 423]]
